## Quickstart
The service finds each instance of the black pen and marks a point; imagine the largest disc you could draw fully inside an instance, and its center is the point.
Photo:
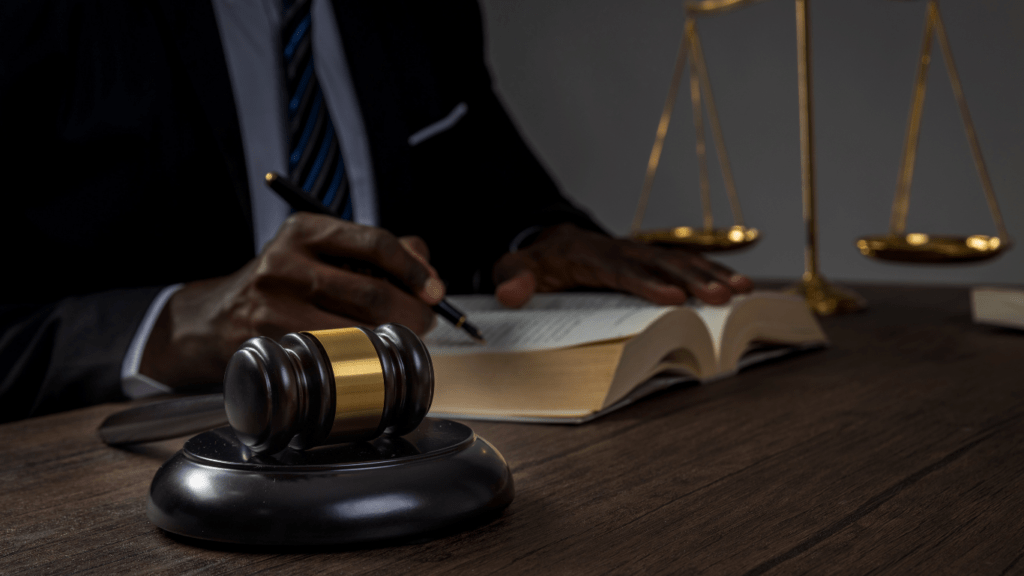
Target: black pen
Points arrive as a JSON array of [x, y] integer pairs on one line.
[[295, 198]]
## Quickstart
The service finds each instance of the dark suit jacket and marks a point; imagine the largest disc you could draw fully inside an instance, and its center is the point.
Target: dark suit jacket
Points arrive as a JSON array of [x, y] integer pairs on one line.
[[127, 172]]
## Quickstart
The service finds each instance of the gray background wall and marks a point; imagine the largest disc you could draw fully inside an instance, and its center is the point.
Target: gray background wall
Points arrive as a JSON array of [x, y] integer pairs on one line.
[[586, 80]]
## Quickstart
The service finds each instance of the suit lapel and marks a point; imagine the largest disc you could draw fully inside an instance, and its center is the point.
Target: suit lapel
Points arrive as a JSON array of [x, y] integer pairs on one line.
[[377, 89], [193, 26]]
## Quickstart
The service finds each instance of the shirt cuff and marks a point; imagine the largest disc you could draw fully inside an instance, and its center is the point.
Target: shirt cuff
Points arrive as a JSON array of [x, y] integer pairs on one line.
[[133, 384], [525, 238]]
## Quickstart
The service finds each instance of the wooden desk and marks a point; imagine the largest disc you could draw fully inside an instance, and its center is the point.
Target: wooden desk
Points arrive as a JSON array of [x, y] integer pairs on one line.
[[900, 449]]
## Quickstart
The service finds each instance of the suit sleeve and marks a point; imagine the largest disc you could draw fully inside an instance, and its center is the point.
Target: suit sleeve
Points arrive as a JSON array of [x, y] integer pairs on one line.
[[532, 197], [68, 353], [101, 117], [57, 351]]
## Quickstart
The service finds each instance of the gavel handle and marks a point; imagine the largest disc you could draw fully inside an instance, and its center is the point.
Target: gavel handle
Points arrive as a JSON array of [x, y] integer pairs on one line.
[[163, 420]]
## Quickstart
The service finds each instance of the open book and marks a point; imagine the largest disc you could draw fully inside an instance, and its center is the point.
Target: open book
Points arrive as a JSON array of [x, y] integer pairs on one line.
[[572, 357]]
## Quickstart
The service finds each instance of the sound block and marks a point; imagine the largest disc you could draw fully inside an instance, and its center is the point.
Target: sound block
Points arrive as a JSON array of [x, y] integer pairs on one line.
[[431, 481]]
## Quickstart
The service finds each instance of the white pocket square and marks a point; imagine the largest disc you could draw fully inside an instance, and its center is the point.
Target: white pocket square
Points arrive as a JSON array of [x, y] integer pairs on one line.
[[440, 126]]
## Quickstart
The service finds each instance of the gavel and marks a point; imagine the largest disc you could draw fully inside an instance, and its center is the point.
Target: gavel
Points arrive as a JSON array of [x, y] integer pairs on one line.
[[327, 387], [310, 389]]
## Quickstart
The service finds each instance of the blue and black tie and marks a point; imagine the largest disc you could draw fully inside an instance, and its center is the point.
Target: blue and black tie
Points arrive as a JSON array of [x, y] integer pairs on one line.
[[314, 159]]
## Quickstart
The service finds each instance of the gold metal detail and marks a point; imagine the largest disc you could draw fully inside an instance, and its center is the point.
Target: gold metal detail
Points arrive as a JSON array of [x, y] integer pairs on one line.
[[917, 247], [927, 248], [659, 137], [707, 7], [358, 380], [718, 240], [707, 238], [822, 297], [826, 299]]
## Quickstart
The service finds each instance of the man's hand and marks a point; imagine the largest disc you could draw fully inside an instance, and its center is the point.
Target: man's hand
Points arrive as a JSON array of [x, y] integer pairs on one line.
[[566, 257], [318, 272]]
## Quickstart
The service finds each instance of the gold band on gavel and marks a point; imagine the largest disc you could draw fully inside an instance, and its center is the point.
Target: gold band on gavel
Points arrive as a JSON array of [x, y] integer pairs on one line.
[[358, 380]]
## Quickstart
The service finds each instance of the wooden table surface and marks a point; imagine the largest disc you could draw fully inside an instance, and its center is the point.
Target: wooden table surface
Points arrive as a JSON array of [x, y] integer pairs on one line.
[[900, 449]]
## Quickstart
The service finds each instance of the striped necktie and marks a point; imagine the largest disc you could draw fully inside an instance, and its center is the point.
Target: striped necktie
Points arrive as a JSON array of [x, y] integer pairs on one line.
[[314, 158]]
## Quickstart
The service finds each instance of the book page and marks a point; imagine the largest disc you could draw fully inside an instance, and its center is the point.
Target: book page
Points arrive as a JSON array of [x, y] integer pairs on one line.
[[552, 301], [714, 317], [768, 318], [549, 321]]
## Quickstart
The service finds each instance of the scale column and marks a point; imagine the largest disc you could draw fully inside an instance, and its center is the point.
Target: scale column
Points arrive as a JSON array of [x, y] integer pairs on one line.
[[824, 298]]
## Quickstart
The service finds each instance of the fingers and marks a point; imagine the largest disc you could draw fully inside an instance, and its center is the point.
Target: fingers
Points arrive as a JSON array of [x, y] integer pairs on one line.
[[515, 279], [275, 314], [651, 288], [374, 301], [624, 272], [402, 261], [704, 280], [368, 300], [417, 247], [738, 283], [567, 257], [293, 286], [517, 290], [279, 316]]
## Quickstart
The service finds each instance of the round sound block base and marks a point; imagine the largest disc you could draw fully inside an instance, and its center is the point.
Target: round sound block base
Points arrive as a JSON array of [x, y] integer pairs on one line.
[[431, 481]]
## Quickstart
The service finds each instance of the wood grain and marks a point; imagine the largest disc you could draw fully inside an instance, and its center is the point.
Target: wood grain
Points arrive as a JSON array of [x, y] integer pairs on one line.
[[899, 450]]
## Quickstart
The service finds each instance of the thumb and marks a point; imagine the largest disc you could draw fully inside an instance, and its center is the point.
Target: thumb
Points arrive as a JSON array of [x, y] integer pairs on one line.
[[416, 247], [516, 281]]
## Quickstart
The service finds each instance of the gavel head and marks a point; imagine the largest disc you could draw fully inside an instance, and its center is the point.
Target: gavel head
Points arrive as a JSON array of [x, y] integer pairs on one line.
[[327, 387]]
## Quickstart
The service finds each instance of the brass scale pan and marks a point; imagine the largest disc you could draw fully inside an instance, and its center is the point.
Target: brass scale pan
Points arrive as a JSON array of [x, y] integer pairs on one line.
[[919, 247], [707, 238]]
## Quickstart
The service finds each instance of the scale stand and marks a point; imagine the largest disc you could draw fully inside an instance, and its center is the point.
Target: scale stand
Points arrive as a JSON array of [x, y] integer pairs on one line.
[[824, 298]]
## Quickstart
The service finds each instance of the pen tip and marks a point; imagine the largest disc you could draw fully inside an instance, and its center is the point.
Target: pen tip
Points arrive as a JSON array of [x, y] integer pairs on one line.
[[472, 331]]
